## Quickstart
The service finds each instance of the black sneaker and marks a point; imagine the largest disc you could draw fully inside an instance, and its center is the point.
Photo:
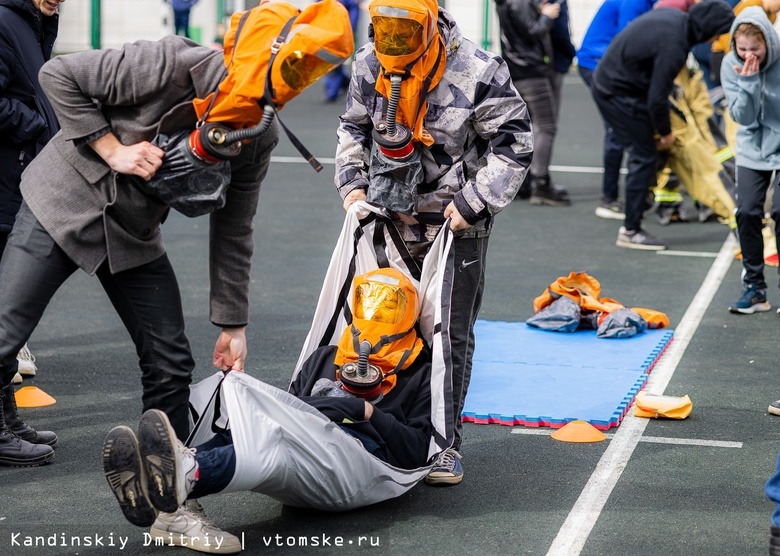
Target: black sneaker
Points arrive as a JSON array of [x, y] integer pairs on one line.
[[126, 477], [544, 192], [668, 213], [706, 214], [753, 300], [170, 466], [774, 408], [639, 239], [611, 210], [524, 191]]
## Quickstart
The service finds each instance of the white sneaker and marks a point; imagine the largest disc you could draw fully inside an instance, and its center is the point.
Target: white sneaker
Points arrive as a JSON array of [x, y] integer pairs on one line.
[[171, 467], [188, 526], [26, 362], [17, 379]]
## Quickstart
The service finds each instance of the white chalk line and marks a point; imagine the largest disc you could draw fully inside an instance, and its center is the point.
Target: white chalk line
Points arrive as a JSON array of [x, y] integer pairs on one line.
[[651, 439]]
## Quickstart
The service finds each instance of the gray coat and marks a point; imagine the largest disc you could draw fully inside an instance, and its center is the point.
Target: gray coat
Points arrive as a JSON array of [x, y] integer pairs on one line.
[[96, 215]]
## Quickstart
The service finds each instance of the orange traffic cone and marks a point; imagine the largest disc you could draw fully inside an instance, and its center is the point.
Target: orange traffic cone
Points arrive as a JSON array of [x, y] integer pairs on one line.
[[578, 431], [32, 396]]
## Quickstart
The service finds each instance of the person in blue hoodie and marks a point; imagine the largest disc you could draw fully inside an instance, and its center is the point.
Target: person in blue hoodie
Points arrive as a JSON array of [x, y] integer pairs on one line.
[[181, 16], [750, 76], [610, 19]]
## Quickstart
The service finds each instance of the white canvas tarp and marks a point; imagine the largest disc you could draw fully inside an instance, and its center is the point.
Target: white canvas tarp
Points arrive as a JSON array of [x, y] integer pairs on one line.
[[288, 450]]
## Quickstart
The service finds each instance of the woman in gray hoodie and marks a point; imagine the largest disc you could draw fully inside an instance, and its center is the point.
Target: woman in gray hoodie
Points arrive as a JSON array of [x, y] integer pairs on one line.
[[750, 76]]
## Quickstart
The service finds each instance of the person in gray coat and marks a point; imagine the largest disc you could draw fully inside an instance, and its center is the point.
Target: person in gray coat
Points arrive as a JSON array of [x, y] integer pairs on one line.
[[82, 210]]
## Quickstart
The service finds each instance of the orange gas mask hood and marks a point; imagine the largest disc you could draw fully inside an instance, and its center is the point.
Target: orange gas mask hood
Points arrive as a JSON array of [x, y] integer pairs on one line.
[[384, 312], [272, 53], [300, 46], [410, 49]]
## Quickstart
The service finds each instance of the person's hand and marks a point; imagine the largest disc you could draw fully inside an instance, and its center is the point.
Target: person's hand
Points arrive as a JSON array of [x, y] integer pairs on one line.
[[141, 159], [369, 411], [750, 67], [230, 351], [457, 222], [665, 142], [551, 10], [354, 196]]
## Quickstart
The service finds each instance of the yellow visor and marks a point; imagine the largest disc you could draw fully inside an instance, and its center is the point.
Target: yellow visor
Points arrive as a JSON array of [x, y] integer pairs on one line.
[[383, 302], [299, 69], [395, 36]]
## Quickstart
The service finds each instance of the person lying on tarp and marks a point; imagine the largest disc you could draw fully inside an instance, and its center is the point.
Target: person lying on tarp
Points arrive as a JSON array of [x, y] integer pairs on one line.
[[375, 384]]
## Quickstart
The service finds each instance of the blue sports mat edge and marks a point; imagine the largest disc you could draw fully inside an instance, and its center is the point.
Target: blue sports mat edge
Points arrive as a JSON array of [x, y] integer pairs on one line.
[[585, 378]]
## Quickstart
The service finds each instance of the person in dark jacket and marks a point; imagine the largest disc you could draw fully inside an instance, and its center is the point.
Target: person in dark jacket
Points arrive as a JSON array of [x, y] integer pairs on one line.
[[631, 85], [28, 29], [611, 18], [527, 48]]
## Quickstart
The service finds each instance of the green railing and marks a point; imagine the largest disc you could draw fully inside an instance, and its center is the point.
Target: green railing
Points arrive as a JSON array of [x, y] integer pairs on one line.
[[95, 27]]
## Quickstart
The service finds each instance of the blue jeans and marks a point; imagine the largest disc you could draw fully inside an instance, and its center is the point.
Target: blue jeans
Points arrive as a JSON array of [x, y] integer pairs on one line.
[[217, 465], [613, 151], [181, 22], [772, 490]]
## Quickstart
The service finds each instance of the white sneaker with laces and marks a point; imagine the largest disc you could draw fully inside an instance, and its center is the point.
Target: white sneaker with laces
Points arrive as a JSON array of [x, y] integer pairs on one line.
[[188, 526], [447, 470], [26, 362]]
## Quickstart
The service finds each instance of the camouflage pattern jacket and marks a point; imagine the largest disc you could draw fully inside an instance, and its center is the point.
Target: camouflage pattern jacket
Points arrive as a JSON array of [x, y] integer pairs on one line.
[[481, 127]]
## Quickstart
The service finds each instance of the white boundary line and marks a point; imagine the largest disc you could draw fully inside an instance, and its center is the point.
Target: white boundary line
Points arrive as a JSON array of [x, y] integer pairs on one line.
[[582, 518], [673, 253], [652, 439]]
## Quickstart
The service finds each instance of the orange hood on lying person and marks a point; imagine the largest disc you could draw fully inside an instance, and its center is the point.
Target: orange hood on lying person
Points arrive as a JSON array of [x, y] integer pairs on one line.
[[319, 40]]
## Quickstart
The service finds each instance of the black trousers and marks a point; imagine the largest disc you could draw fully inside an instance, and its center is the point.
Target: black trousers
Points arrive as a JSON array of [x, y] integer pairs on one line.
[[146, 298], [468, 286], [630, 120], [752, 186]]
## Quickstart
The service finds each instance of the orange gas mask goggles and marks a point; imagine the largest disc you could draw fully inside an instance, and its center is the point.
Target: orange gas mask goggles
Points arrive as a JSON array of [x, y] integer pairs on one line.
[[382, 340], [272, 53]]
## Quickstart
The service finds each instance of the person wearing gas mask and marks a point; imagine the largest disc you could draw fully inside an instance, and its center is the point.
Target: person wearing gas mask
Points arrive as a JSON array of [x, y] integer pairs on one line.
[[388, 412], [454, 141], [86, 203]]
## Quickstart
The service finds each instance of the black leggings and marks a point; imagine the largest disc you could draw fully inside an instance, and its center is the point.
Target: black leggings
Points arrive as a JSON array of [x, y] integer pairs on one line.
[[752, 186]]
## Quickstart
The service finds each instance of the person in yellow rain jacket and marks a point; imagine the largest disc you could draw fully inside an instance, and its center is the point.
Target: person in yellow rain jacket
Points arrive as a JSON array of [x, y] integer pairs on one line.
[[694, 156]]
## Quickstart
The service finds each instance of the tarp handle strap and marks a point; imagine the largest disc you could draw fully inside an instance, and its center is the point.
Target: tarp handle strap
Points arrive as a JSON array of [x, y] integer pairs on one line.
[[200, 418]]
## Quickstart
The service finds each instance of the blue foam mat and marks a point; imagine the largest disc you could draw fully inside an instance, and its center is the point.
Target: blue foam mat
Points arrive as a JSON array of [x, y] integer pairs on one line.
[[526, 376]]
